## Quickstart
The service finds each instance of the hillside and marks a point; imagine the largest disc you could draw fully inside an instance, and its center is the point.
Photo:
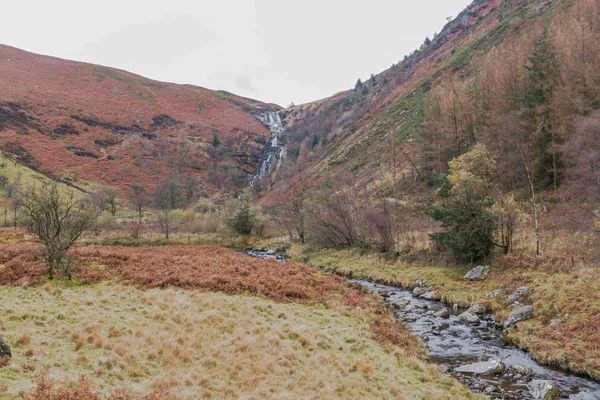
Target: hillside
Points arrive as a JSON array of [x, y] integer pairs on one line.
[[481, 80], [88, 124]]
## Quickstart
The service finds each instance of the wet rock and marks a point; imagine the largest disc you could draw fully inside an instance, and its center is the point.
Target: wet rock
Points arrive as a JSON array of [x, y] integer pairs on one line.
[[468, 318], [443, 313], [400, 304], [409, 308], [4, 350], [492, 367], [478, 273], [430, 313], [422, 306], [495, 293], [477, 309], [430, 296], [419, 283], [419, 291], [517, 295], [520, 314], [544, 390], [585, 396], [519, 372], [443, 326]]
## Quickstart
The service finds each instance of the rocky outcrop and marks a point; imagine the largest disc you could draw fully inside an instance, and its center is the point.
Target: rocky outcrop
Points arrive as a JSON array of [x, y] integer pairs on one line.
[[543, 390], [520, 314], [478, 273]]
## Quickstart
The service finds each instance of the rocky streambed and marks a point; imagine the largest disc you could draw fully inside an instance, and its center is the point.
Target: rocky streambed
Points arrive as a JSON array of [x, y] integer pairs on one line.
[[468, 345]]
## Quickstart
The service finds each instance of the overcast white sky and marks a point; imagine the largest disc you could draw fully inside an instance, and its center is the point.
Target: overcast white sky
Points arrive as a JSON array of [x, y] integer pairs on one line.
[[272, 50]]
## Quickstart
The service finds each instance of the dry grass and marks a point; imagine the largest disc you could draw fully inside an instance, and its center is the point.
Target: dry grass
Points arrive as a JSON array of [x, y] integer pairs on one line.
[[555, 288], [195, 344]]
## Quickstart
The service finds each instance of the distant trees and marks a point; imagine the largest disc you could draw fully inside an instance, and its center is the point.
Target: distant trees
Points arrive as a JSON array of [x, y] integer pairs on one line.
[[58, 221]]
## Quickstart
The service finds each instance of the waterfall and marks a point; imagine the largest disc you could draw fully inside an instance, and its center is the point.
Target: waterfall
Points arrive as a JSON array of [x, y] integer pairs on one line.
[[275, 147]]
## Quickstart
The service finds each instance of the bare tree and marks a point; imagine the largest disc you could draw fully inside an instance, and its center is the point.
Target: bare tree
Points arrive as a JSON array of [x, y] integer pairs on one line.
[[58, 221]]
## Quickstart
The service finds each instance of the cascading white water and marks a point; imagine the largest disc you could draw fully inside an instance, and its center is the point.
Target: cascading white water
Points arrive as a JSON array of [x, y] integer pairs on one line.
[[275, 147]]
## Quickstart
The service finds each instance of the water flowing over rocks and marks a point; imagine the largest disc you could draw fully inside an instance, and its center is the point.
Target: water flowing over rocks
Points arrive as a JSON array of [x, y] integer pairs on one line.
[[453, 345], [543, 389], [275, 147]]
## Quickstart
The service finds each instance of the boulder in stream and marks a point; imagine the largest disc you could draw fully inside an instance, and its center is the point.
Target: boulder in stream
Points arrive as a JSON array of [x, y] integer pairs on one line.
[[420, 290], [478, 273], [468, 318], [443, 313], [477, 309], [520, 314], [543, 390], [430, 296], [492, 367]]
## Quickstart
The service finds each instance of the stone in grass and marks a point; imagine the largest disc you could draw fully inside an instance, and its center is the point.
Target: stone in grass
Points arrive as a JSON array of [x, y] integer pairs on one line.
[[520, 314], [516, 295], [495, 293], [5, 353], [468, 318], [543, 390], [478, 273]]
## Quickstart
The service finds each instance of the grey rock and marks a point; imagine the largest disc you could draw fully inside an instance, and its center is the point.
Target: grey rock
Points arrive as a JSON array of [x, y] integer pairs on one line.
[[4, 350], [495, 293], [522, 370], [468, 318], [543, 390], [422, 306], [478, 273], [492, 367], [555, 323], [516, 295], [520, 314], [443, 368], [409, 308], [585, 396], [419, 291], [477, 309], [419, 283], [443, 313], [430, 296]]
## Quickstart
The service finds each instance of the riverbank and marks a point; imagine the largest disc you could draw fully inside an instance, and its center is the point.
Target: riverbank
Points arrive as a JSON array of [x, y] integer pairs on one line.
[[564, 332]]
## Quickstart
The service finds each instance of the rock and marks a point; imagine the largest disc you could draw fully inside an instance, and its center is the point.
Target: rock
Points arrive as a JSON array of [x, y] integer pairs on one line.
[[585, 396], [419, 291], [555, 323], [419, 283], [4, 350], [521, 372], [477, 274], [517, 295], [443, 368], [468, 318], [477, 309], [443, 313], [520, 314], [492, 367], [430, 296], [422, 306], [495, 293], [543, 390], [430, 313], [408, 308]]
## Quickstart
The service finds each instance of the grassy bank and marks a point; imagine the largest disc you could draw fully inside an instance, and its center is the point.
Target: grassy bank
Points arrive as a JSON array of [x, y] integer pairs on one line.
[[573, 345], [200, 322]]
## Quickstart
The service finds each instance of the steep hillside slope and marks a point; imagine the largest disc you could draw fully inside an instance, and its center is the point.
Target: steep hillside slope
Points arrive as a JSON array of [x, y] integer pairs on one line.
[[519, 77], [88, 124]]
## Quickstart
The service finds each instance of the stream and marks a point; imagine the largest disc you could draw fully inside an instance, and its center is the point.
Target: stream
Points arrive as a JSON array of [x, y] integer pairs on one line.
[[458, 347]]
